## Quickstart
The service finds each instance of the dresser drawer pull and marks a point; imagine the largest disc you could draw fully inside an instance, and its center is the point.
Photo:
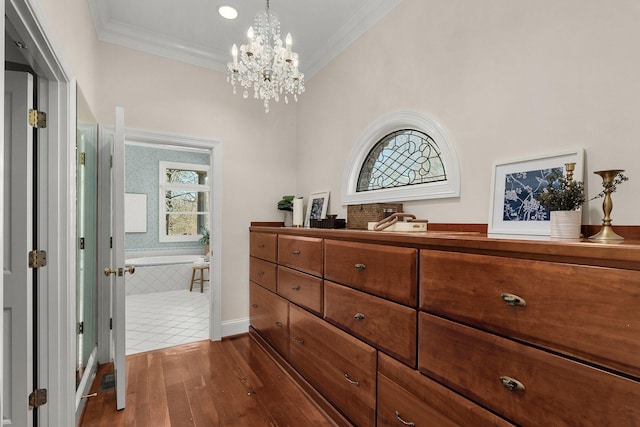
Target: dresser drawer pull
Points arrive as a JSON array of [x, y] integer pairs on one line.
[[254, 305], [279, 324], [359, 316], [296, 252], [355, 383], [360, 267], [406, 423], [261, 245], [260, 273], [298, 340], [511, 299], [511, 384], [295, 288]]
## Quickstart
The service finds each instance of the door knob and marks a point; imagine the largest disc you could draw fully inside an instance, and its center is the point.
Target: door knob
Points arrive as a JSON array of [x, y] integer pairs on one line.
[[119, 271]]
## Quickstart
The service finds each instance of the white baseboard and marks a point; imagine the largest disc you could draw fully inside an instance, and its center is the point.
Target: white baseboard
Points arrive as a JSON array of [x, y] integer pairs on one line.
[[235, 327]]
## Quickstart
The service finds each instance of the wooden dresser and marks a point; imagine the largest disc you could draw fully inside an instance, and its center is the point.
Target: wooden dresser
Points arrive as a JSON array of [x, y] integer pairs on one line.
[[451, 329]]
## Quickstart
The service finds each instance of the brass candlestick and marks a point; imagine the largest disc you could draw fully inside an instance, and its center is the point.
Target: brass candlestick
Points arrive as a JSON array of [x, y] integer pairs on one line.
[[606, 232], [569, 167]]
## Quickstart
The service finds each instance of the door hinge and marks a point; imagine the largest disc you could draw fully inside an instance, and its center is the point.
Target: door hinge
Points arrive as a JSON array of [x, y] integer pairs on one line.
[[38, 398], [110, 162], [80, 328], [110, 242], [83, 158], [82, 243], [37, 259], [111, 323], [37, 119]]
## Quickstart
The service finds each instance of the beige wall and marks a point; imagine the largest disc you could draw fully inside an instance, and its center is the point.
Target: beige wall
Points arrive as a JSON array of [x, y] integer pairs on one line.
[[504, 78], [76, 42]]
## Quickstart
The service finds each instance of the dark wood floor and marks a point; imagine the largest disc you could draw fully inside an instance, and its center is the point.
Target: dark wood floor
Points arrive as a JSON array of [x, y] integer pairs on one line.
[[228, 383]]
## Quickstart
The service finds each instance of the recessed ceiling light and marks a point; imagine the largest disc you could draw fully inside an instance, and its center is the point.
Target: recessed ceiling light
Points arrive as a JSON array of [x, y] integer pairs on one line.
[[228, 12]]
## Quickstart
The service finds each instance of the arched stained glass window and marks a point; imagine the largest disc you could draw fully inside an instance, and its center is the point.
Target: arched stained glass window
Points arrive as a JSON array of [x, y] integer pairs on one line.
[[404, 157]]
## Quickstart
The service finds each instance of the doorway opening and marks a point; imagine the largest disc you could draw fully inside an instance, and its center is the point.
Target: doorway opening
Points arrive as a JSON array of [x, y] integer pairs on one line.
[[167, 228]]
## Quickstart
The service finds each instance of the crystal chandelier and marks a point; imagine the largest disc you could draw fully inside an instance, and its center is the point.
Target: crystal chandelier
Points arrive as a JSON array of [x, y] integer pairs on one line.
[[265, 64]]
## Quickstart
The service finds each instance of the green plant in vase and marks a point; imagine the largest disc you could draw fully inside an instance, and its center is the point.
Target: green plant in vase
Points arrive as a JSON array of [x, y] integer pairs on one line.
[[286, 205], [563, 197], [561, 194]]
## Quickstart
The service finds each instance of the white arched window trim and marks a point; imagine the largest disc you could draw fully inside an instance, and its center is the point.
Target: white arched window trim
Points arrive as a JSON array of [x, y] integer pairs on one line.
[[383, 126]]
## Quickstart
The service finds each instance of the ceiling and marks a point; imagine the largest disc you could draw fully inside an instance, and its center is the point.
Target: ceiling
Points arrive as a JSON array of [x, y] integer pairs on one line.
[[192, 31]]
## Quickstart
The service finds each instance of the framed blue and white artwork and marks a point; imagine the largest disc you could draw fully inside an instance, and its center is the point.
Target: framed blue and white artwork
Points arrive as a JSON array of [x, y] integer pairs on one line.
[[514, 210]]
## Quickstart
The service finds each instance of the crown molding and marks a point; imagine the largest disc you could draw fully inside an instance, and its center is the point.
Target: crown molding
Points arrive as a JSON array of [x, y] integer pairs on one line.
[[179, 50], [153, 43]]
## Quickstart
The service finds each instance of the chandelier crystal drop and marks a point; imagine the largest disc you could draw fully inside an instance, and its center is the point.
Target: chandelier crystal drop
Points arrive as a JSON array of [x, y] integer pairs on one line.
[[265, 64]]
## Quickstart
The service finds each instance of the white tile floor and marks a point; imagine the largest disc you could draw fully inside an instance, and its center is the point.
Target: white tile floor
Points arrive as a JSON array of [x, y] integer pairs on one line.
[[165, 319]]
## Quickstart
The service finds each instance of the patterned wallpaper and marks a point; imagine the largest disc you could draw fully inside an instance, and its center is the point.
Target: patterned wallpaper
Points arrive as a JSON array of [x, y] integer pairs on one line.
[[141, 177]]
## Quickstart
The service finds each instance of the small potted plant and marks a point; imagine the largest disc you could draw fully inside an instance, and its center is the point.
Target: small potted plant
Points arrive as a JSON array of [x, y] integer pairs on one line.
[[205, 240], [563, 198], [286, 205]]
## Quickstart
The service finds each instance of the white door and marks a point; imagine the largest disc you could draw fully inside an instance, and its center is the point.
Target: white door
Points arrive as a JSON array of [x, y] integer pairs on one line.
[[18, 236], [118, 298]]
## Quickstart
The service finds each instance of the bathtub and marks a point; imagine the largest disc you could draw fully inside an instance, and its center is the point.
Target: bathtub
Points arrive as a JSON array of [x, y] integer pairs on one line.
[[147, 261], [161, 273]]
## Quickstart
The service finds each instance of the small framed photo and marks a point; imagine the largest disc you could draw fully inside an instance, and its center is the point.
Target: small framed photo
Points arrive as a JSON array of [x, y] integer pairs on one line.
[[317, 206], [514, 210]]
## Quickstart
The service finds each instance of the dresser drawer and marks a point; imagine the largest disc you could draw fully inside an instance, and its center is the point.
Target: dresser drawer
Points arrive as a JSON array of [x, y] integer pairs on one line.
[[301, 253], [269, 315], [387, 271], [406, 395], [557, 391], [386, 325], [263, 245], [588, 312], [340, 366], [300, 288], [263, 273]]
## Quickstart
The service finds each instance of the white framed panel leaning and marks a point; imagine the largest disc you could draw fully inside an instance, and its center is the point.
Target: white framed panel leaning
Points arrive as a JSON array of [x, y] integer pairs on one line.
[[514, 184], [135, 213], [317, 206]]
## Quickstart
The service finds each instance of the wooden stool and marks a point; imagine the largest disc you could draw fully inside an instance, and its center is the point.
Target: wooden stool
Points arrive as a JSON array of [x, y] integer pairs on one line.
[[201, 268]]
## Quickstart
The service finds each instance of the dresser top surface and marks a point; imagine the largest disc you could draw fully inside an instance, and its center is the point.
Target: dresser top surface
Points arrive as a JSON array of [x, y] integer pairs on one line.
[[622, 254]]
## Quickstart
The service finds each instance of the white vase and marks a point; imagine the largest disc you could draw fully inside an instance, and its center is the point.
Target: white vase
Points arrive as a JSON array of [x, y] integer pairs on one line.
[[566, 224]]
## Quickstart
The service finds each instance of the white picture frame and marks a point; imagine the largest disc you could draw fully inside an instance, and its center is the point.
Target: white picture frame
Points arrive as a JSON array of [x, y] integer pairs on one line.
[[317, 206], [513, 210], [135, 213]]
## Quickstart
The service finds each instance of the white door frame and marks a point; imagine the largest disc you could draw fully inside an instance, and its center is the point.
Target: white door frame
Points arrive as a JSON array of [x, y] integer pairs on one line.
[[104, 293], [56, 288]]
